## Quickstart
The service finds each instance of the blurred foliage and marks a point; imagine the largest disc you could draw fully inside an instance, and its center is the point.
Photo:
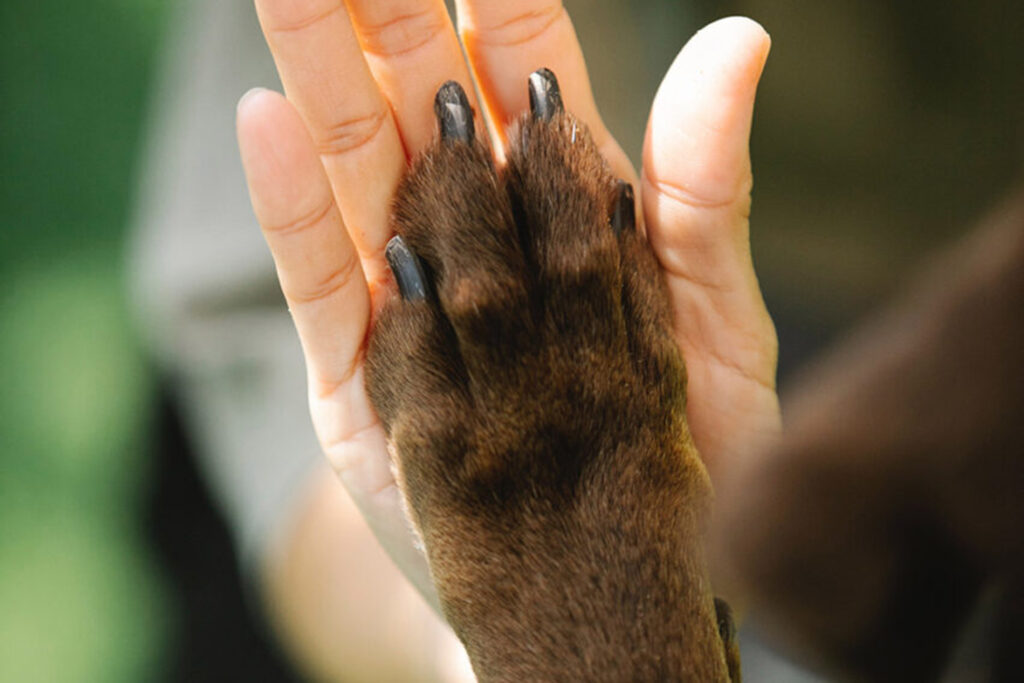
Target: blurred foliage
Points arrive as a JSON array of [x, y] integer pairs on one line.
[[80, 598]]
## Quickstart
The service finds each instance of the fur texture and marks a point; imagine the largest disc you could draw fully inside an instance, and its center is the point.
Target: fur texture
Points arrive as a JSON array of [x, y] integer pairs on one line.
[[536, 405], [895, 498]]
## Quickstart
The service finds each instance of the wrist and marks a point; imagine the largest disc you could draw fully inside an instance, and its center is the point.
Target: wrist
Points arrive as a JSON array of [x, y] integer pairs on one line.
[[609, 586]]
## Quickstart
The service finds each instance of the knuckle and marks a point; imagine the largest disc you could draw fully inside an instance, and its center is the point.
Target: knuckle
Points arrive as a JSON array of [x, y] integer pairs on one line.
[[707, 223], [521, 27], [324, 387], [329, 285], [693, 199], [298, 21], [403, 34], [351, 134], [303, 222]]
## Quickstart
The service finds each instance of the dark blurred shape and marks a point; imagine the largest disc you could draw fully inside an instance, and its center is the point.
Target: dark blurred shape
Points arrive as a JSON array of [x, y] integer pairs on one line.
[[1009, 633], [897, 494], [217, 640]]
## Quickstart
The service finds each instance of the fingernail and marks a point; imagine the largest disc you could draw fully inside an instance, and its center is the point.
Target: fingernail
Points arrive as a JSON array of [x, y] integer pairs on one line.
[[454, 113], [545, 96], [251, 93], [624, 212], [407, 268]]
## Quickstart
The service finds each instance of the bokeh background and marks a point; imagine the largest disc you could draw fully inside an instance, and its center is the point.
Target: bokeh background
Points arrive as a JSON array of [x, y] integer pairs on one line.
[[82, 595], [882, 131]]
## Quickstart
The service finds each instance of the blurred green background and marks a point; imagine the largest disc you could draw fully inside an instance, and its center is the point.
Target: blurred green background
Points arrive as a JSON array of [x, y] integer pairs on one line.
[[881, 131], [81, 598]]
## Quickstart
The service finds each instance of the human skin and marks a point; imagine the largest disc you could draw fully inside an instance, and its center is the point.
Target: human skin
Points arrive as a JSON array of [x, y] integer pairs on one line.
[[323, 164]]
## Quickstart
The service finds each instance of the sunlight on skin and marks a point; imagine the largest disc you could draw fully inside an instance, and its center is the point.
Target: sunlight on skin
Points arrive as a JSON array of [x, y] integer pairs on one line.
[[696, 192], [323, 164]]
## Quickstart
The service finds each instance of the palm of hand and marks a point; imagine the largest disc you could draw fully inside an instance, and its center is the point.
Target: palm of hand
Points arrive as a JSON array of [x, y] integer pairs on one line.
[[323, 165]]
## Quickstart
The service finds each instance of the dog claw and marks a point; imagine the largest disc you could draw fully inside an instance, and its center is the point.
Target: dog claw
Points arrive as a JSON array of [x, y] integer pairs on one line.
[[545, 95], [451, 106], [623, 216], [407, 268]]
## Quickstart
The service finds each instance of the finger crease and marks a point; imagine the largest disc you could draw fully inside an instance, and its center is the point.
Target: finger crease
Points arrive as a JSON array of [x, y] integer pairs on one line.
[[520, 29], [401, 35], [328, 387], [331, 284], [673, 271], [373, 253], [352, 134], [345, 439], [380, 491], [306, 22], [303, 222], [683, 195], [733, 366]]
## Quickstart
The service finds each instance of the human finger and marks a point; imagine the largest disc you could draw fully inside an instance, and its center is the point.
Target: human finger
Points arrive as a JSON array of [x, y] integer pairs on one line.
[[697, 171], [317, 263], [507, 41], [697, 181], [411, 49], [320, 275], [321, 65]]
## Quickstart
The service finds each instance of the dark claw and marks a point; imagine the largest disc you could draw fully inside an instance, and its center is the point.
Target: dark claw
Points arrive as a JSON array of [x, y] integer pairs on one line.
[[454, 113], [726, 624], [624, 212], [407, 268], [545, 96]]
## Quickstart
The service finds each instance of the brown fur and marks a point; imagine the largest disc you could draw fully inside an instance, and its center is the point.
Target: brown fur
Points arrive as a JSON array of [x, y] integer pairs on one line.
[[536, 404], [896, 497]]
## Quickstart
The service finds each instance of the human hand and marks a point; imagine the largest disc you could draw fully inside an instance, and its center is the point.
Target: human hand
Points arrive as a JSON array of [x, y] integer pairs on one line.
[[323, 165]]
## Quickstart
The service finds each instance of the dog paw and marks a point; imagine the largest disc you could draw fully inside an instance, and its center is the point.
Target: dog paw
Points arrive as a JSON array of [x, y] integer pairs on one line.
[[534, 396]]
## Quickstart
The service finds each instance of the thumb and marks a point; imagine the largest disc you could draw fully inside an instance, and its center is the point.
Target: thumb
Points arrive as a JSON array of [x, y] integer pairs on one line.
[[696, 152]]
